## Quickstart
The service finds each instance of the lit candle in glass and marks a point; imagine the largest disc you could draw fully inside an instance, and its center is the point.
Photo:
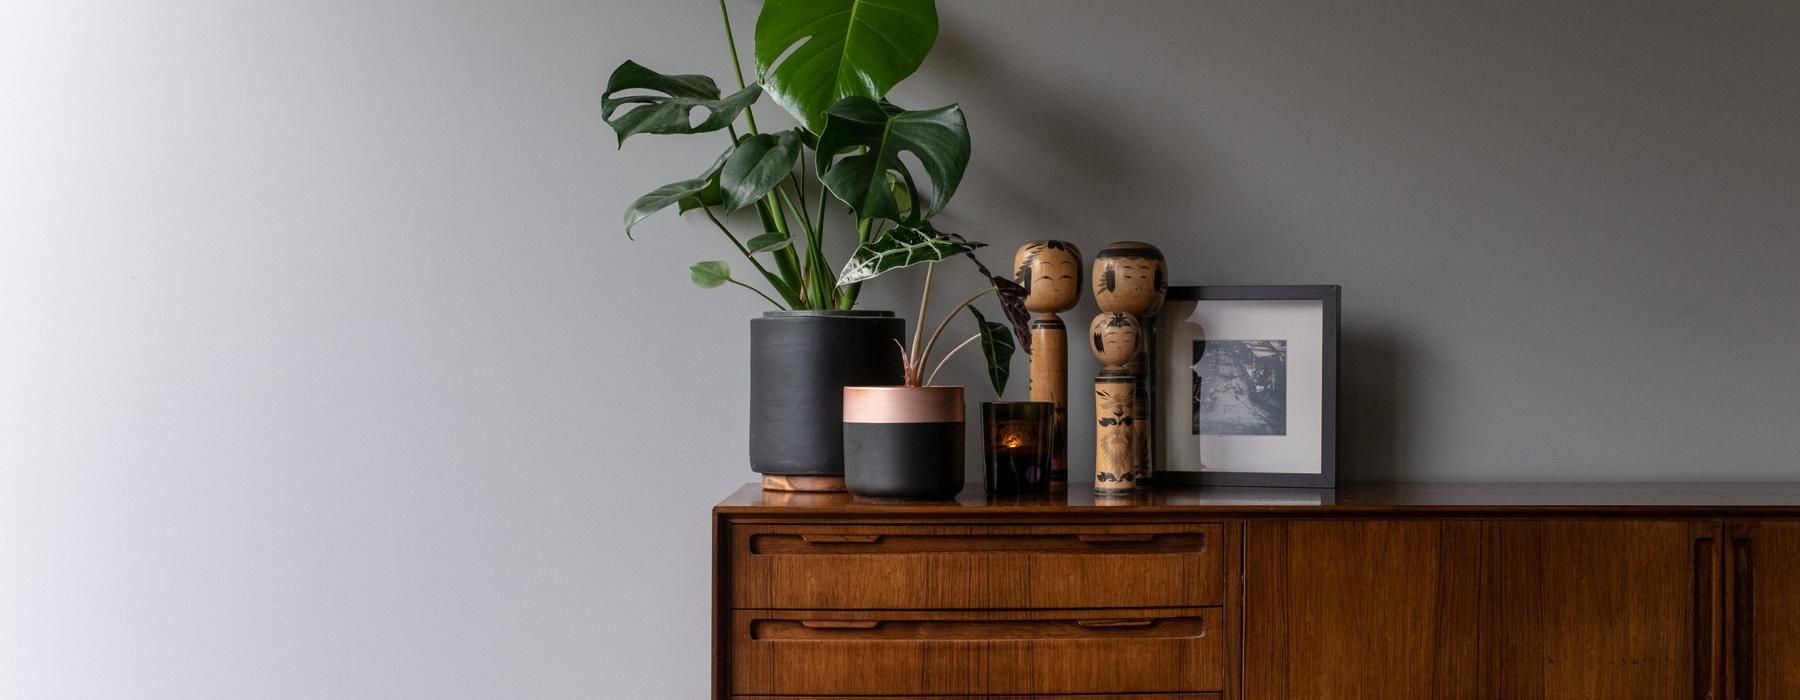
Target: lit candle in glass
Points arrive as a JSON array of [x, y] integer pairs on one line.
[[1017, 445]]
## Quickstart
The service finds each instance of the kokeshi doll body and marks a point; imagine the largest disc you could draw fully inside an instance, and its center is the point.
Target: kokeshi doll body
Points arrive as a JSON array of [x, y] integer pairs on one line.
[[1115, 339], [1132, 277], [1050, 271]]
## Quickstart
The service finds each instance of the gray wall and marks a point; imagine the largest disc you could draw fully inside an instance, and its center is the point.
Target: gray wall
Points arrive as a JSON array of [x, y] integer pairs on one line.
[[325, 370]]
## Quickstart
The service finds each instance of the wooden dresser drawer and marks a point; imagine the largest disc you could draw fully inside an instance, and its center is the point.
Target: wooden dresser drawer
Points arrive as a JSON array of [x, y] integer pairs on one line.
[[775, 652], [900, 567]]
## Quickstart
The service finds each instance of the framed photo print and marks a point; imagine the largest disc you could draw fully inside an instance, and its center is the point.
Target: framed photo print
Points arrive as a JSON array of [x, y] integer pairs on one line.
[[1246, 386]]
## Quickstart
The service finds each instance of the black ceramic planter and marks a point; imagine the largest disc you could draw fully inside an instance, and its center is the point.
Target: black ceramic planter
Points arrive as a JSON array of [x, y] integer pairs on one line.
[[800, 362], [903, 442]]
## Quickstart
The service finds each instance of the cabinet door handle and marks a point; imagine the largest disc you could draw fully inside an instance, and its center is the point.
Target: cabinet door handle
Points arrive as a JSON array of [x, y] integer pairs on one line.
[[840, 624], [1098, 539], [1743, 618], [1706, 591], [840, 539], [1116, 623]]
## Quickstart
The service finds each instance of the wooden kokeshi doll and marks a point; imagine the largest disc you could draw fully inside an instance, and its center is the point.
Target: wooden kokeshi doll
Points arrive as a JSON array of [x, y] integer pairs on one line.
[[1116, 338], [1050, 271], [1133, 278]]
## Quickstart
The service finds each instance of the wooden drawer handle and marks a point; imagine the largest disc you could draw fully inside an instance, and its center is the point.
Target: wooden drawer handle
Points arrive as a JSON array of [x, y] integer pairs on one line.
[[1115, 623], [840, 539], [1146, 537], [840, 624]]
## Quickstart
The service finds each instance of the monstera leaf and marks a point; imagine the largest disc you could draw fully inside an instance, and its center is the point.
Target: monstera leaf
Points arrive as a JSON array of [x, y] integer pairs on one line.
[[901, 247], [690, 194], [812, 53], [860, 150], [671, 111], [997, 347], [757, 166]]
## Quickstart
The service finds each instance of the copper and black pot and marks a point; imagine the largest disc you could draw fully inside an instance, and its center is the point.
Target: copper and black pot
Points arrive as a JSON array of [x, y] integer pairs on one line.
[[800, 362], [903, 442]]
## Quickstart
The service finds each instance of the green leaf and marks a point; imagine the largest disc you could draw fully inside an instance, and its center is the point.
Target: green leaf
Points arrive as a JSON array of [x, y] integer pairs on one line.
[[773, 240], [997, 346], [757, 166], [860, 150], [709, 274], [660, 199], [839, 48], [689, 194], [671, 111], [900, 247]]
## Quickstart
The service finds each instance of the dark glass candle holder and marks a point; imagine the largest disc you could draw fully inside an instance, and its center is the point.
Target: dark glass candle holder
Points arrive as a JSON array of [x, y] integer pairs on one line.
[[1018, 439]]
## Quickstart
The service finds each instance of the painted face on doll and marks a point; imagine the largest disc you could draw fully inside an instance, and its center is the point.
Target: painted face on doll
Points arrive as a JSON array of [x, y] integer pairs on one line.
[[1051, 274], [1115, 338], [1130, 277]]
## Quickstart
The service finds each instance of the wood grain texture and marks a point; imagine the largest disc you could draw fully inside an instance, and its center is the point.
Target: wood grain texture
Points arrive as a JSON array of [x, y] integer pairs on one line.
[[846, 567], [1763, 612], [1491, 610], [1779, 500], [1157, 696], [1160, 650]]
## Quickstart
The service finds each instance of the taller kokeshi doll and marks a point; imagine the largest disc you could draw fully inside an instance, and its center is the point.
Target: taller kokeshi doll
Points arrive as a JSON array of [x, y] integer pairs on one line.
[[1050, 271], [1115, 338], [1132, 278]]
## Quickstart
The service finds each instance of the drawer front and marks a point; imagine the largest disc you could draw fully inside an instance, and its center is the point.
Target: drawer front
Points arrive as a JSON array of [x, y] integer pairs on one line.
[[776, 652], [849, 567]]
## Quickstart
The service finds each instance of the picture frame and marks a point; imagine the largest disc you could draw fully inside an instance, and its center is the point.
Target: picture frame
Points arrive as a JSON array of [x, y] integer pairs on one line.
[[1246, 386]]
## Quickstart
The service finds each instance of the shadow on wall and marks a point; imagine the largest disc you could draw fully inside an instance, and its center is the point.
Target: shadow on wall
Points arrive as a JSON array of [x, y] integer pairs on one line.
[[1371, 382], [1074, 143]]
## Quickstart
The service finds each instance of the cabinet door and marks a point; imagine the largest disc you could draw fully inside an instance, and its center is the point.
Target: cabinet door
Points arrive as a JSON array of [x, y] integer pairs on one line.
[[1499, 610], [1764, 590]]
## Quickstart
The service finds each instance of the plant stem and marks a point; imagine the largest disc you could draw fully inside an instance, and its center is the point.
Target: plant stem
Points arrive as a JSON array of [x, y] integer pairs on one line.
[[758, 292], [915, 361], [947, 356], [780, 285], [952, 315], [786, 260], [736, 66]]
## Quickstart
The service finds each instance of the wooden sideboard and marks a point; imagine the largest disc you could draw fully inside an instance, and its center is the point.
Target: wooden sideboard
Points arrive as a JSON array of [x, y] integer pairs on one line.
[[1439, 592]]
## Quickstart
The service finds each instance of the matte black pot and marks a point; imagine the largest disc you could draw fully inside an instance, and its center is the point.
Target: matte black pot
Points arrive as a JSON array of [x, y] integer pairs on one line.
[[903, 442], [800, 362]]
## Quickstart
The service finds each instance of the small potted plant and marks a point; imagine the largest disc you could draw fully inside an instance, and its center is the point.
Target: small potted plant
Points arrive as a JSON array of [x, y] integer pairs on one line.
[[829, 65], [906, 442]]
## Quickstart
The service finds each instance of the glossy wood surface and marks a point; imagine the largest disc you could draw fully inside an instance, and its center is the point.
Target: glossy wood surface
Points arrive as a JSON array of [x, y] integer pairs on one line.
[[1448, 592], [1134, 696], [1490, 610], [1763, 610], [841, 567], [1161, 650], [1699, 499]]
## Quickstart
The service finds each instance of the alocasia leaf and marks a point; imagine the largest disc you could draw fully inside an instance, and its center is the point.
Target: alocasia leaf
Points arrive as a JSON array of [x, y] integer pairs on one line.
[[812, 53], [900, 247], [859, 155], [664, 104], [997, 346]]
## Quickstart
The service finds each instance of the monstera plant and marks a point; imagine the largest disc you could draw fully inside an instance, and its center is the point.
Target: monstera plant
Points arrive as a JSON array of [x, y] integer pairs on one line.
[[829, 64]]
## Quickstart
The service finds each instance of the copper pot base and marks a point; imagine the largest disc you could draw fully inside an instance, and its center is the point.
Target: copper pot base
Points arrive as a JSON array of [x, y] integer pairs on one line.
[[809, 484]]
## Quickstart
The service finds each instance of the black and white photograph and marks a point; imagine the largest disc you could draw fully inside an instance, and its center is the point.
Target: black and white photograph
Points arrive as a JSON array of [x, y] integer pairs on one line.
[[1240, 387], [1246, 386]]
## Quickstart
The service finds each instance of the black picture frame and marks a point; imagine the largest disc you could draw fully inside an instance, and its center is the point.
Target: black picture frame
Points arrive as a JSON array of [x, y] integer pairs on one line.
[[1331, 297]]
